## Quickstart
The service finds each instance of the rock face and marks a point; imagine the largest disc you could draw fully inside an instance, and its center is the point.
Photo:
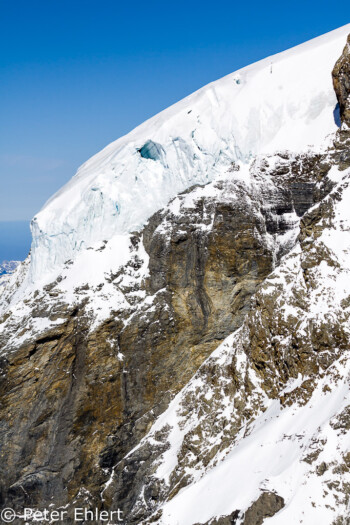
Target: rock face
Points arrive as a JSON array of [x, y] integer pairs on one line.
[[341, 82], [291, 352], [229, 351], [266, 506], [97, 394]]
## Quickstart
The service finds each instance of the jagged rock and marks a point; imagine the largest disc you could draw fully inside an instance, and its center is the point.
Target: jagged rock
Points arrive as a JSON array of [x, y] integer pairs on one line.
[[207, 256], [224, 318], [277, 347], [266, 506], [341, 82], [205, 263]]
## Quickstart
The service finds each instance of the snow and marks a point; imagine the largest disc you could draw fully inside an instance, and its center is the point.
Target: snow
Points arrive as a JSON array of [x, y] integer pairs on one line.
[[284, 101], [270, 451], [91, 278], [83, 237], [7, 268], [270, 459]]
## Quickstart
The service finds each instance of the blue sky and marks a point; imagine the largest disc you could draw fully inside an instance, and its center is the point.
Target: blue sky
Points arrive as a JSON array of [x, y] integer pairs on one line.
[[76, 75]]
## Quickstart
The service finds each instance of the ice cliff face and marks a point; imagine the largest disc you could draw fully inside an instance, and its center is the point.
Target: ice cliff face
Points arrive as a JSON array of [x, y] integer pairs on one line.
[[191, 366], [283, 102]]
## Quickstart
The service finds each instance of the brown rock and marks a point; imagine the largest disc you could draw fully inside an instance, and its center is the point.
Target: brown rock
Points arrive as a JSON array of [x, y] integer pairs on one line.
[[341, 83], [266, 506]]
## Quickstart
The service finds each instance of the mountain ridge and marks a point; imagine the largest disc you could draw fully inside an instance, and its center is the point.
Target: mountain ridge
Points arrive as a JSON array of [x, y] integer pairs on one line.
[[198, 135], [196, 370]]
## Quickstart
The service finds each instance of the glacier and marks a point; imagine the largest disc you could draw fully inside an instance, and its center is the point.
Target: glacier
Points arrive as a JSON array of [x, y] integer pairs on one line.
[[133, 371], [284, 101]]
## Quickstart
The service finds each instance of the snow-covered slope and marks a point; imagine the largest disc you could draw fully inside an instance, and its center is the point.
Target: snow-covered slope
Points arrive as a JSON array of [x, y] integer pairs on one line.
[[197, 370], [239, 429], [285, 101], [6, 269]]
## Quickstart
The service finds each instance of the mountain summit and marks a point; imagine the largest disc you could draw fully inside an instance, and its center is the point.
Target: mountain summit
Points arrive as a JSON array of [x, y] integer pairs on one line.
[[286, 101], [176, 345]]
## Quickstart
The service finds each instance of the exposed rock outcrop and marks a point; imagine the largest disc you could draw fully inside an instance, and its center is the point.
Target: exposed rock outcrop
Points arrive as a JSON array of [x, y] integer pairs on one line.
[[227, 319], [266, 506], [97, 394], [341, 82]]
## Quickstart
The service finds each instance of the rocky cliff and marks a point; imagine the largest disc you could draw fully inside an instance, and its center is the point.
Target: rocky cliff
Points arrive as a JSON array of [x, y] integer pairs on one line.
[[214, 388], [341, 82]]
